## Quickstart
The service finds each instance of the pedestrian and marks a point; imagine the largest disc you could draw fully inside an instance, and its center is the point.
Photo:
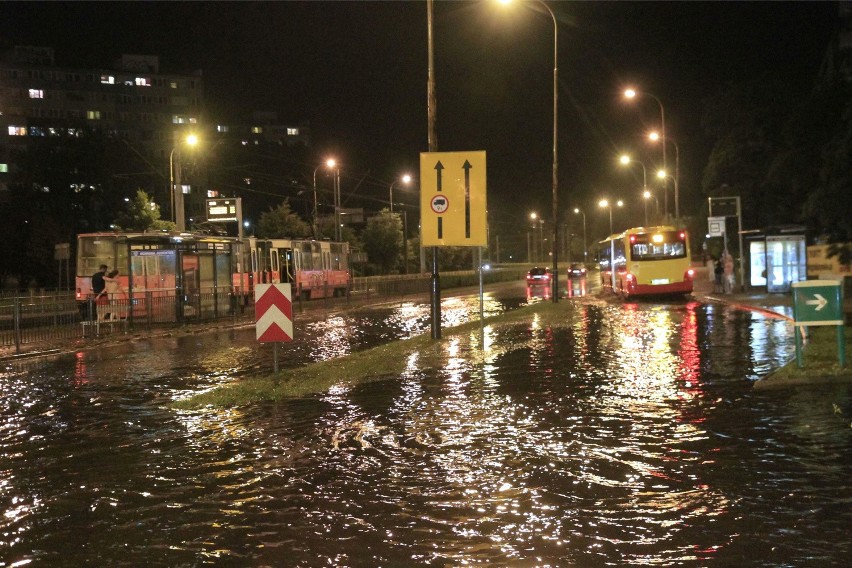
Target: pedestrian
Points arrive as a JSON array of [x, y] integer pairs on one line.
[[98, 283], [114, 294], [728, 273], [717, 276]]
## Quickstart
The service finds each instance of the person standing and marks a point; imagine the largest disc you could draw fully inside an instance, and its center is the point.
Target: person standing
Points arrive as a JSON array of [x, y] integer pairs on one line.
[[97, 297], [98, 283], [114, 294]]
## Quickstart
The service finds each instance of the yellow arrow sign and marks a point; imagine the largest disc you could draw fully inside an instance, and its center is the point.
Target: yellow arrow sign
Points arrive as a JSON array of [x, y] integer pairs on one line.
[[453, 199]]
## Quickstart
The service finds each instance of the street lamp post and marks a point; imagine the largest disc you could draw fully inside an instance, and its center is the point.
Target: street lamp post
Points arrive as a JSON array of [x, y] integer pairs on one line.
[[578, 211], [555, 182], [655, 137], [329, 164], [627, 160], [646, 195], [406, 179], [632, 93], [604, 203], [665, 176], [178, 213]]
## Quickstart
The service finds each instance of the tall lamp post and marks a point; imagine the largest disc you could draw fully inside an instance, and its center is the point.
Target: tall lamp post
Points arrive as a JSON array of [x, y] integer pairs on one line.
[[627, 160], [633, 93], [605, 204], [654, 137], [578, 211], [329, 164], [555, 205], [663, 175], [178, 213], [406, 179], [536, 219], [646, 195]]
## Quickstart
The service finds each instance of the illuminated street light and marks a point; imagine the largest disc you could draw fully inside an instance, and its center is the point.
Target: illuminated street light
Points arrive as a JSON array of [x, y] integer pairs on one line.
[[633, 93], [578, 211], [406, 179], [655, 137], [329, 163], [627, 160], [555, 182], [178, 215]]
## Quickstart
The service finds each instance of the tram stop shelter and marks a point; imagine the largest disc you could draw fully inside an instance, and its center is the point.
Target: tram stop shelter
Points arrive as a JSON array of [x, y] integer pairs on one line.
[[777, 257]]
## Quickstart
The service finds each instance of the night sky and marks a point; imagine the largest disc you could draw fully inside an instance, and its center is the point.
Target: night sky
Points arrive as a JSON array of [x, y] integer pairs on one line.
[[356, 72]]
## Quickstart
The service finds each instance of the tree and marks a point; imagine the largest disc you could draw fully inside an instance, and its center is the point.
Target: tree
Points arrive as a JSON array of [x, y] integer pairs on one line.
[[382, 239], [280, 222], [141, 214]]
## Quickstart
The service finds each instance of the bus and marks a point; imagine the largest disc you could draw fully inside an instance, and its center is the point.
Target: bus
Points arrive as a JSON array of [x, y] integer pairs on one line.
[[647, 261]]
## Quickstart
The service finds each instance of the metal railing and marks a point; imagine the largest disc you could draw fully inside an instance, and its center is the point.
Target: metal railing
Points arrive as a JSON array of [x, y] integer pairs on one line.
[[49, 316]]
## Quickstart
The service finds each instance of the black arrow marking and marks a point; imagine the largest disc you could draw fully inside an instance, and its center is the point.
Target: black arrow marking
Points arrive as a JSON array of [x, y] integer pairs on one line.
[[439, 167], [466, 168]]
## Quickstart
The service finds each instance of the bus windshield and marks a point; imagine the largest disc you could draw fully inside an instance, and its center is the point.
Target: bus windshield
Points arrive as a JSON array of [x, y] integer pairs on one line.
[[657, 246]]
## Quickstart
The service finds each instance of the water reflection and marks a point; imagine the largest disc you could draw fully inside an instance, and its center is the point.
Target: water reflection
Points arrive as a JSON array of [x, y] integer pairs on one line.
[[625, 436]]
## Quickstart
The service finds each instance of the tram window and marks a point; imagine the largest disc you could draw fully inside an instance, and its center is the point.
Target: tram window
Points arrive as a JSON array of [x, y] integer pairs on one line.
[[286, 262]]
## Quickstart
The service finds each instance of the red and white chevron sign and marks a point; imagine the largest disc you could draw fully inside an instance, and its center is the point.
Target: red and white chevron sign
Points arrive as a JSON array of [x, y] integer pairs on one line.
[[273, 312]]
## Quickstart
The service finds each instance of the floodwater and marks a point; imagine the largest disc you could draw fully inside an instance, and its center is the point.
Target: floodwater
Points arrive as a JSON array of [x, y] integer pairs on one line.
[[629, 436]]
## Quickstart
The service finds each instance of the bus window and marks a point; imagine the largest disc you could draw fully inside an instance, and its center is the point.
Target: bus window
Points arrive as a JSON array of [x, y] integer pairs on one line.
[[659, 246]]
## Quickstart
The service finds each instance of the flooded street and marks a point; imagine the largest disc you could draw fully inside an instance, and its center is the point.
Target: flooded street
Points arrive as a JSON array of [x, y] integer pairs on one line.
[[629, 436]]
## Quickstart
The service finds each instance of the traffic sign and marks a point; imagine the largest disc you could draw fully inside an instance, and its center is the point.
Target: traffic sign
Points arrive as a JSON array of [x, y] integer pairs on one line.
[[273, 310], [817, 302], [716, 226], [453, 199]]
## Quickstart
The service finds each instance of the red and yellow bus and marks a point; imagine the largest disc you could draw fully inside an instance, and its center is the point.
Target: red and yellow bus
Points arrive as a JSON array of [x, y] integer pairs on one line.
[[647, 261]]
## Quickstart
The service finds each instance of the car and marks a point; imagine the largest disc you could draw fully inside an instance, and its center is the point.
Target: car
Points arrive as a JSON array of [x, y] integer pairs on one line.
[[538, 276], [576, 270]]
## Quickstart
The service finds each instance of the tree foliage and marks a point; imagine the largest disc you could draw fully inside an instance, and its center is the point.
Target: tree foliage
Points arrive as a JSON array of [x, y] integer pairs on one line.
[[141, 214], [281, 222], [382, 241]]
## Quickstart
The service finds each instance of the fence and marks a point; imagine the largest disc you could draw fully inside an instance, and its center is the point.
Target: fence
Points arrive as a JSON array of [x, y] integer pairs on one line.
[[49, 316]]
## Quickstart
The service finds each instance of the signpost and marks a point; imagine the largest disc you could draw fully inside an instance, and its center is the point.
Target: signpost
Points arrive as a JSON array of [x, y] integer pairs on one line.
[[273, 311], [818, 302], [452, 210]]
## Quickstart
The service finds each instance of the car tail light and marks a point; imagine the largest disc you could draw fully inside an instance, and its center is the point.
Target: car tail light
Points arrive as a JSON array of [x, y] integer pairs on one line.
[[689, 274]]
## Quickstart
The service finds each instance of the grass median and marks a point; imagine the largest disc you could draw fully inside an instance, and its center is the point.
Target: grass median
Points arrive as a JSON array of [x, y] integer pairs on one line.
[[377, 363], [820, 361]]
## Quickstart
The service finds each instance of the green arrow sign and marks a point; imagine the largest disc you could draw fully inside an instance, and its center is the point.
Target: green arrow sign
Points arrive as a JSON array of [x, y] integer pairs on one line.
[[817, 302]]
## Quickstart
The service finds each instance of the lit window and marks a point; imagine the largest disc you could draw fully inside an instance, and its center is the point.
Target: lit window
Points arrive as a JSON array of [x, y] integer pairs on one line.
[[93, 114], [17, 131], [178, 119], [193, 120], [257, 129], [292, 132], [221, 128], [36, 94], [107, 80], [36, 131], [173, 85], [143, 82], [4, 168]]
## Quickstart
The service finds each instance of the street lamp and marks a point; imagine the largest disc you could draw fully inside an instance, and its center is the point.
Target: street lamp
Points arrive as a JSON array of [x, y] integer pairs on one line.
[[329, 163], [646, 195], [534, 217], [577, 211], [605, 204], [555, 294], [633, 93], [627, 160], [655, 137], [406, 179], [663, 175], [174, 181]]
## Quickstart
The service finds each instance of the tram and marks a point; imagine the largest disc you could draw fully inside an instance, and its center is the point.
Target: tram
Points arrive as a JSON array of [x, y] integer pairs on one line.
[[647, 261], [204, 275]]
